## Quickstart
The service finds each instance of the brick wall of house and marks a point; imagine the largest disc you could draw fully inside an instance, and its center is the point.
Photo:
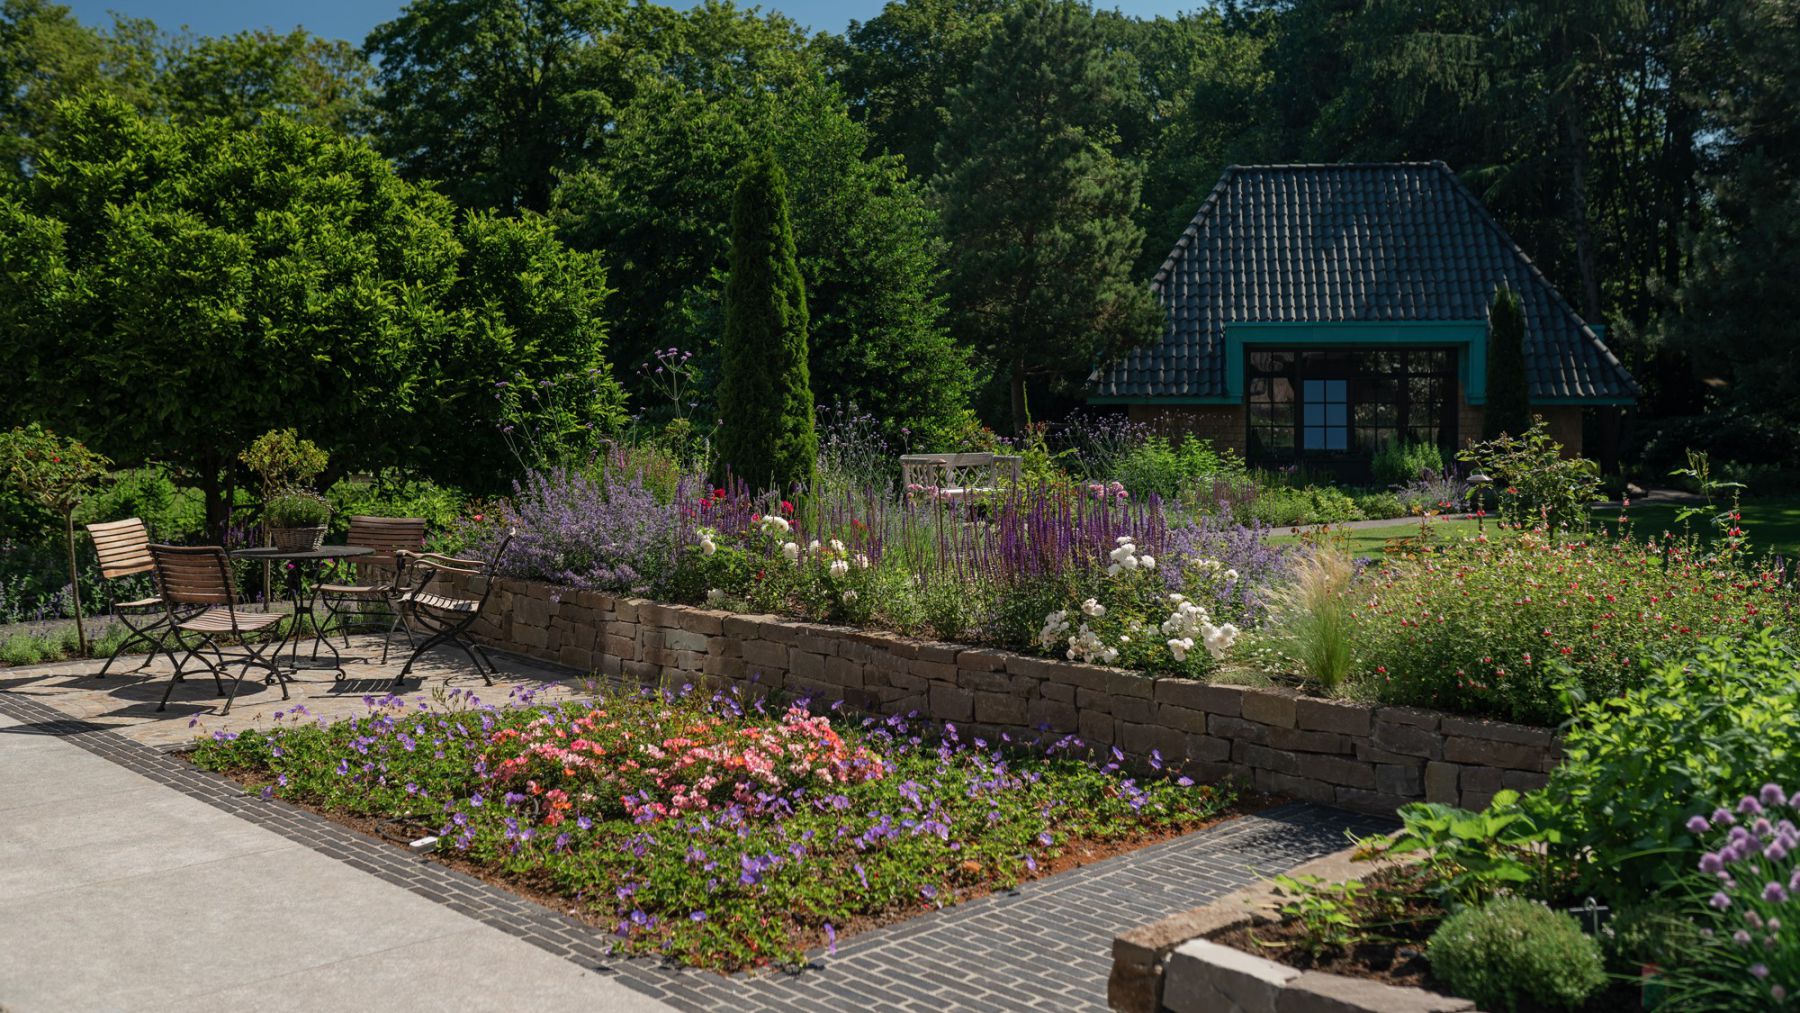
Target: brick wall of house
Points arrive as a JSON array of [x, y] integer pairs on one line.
[[1359, 755], [1224, 425], [1564, 423]]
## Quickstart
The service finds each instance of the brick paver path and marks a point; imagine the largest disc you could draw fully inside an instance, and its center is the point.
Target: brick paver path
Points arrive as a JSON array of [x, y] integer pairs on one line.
[[1045, 946]]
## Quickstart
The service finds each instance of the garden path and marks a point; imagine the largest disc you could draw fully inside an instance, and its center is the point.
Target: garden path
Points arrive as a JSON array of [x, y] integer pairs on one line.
[[254, 866]]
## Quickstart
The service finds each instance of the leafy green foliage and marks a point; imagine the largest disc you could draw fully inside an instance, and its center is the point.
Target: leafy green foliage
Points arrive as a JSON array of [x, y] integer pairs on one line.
[[1500, 627], [296, 509], [680, 821], [766, 435], [493, 97], [56, 472], [1534, 482], [1161, 466], [1285, 505], [283, 461], [1401, 461], [1513, 952], [1325, 912], [202, 284], [1471, 858], [1508, 409], [1038, 205], [1714, 724], [250, 75]]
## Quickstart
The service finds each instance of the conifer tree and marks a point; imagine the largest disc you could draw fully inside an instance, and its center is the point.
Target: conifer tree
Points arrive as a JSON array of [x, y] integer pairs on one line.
[[1508, 402], [766, 436]]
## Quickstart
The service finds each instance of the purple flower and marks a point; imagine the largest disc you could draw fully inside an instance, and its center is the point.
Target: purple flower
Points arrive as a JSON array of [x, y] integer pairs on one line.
[[1720, 900], [830, 938], [697, 916], [1774, 893], [1711, 863], [1759, 971], [1748, 805], [1698, 825], [1772, 794]]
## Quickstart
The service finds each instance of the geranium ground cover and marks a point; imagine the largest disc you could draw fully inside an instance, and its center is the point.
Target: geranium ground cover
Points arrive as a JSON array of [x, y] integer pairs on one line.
[[721, 834]]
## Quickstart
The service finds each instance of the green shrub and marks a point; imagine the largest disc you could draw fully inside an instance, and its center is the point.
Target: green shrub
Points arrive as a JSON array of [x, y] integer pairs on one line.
[[171, 512], [1647, 933], [1399, 462], [1164, 467], [1515, 951], [1533, 483], [1715, 724], [296, 510], [1282, 506], [441, 506], [1376, 505], [1496, 628]]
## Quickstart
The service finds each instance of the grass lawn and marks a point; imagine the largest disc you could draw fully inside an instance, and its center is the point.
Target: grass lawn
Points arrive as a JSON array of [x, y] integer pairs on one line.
[[717, 836], [1772, 522]]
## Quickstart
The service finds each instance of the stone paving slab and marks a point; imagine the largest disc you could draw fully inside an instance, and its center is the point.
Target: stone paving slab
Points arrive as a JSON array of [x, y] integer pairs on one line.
[[1045, 946], [232, 916]]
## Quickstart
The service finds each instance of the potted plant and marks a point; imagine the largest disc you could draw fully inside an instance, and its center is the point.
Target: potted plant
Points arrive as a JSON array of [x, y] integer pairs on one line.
[[295, 520], [293, 514]]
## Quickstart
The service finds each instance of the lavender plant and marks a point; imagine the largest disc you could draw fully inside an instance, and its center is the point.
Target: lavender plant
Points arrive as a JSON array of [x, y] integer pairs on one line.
[[602, 531]]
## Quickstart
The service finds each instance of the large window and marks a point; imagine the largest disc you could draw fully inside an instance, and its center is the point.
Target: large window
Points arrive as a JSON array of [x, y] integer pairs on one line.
[[1343, 405]]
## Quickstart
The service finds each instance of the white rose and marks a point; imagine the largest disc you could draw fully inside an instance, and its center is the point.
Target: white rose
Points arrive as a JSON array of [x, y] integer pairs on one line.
[[791, 551], [837, 546], [1093, 608], [839, 568], [850, 595], [1148, 562], [861, 560], [1179, 647], [714, 596], [707, 546], [1231, 575]]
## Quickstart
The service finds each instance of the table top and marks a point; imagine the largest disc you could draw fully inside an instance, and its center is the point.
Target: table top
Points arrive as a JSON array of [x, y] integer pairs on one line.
[[322, 552]]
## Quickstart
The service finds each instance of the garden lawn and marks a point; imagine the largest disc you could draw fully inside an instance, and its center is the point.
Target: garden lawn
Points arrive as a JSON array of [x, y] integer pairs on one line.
[[720, 836]]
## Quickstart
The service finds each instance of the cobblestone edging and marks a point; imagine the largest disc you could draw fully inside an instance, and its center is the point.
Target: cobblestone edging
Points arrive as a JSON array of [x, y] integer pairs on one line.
[[1044, 946], [1362, 756]]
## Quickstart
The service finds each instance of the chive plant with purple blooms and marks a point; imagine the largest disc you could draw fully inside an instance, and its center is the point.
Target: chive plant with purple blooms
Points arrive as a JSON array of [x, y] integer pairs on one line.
[[1747, 883], [722, 832]]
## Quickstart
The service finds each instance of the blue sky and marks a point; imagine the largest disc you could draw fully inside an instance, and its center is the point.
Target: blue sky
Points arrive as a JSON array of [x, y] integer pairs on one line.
[[351, 19]]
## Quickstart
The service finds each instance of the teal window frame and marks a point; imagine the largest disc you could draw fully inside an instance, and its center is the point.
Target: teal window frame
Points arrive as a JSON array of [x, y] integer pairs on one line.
[[1467, 337]]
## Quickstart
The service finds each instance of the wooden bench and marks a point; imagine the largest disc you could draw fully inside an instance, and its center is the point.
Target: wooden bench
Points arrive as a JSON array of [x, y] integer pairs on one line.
[[955, 476]]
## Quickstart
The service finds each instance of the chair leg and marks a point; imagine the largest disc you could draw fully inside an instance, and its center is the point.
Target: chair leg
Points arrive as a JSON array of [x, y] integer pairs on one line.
[[469, 650], [136, 635], [192, 652]]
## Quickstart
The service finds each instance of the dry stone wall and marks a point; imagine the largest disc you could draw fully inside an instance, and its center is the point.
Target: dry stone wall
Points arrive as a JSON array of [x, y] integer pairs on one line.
[[1362, 756]]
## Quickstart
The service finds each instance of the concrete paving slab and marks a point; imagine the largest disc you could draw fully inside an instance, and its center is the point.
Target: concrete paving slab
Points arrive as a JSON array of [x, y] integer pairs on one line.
[[233, 905]]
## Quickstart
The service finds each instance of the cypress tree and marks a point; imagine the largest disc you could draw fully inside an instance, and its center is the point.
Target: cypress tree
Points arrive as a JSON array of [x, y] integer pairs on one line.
[[766, 435], [1508, 403]]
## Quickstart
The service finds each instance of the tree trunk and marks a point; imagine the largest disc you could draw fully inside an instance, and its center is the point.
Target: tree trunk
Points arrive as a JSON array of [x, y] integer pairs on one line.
[[217, 513], [1021, 414], [74, 579]]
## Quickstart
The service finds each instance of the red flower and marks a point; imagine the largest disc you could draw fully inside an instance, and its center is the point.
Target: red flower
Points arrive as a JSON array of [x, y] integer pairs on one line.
[[479, 518], [786, 507], [718, 494]]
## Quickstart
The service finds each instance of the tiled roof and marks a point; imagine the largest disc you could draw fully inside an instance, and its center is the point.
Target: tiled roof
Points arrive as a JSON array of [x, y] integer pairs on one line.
[[1352, 242]]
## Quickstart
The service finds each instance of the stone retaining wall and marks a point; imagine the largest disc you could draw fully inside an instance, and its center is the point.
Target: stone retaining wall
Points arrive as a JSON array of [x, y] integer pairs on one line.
[[1363, 756]]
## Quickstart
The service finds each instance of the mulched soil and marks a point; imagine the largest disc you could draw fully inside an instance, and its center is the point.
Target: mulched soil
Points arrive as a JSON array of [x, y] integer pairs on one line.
[[1397, 955]]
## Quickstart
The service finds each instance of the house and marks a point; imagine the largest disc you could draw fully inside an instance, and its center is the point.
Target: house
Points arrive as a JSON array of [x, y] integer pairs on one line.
[[1316, 312]]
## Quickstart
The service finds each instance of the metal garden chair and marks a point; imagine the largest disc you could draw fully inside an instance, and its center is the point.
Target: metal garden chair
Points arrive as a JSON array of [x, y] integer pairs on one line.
[[389, 537], [124, 551], [446, 618], [201, 598]]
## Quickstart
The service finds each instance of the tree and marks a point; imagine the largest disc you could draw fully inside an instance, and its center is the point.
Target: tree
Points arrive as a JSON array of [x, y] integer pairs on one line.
[[493, 97], [174, 290], [46, 56], [1508, 399], [1038, 209], [244, 77], [899, 68], [1736, 311], [58, 474], [657, 202], [766, 435]]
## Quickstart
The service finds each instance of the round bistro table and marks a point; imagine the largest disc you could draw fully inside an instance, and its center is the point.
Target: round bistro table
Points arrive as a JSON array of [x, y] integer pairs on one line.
[[303, 560]]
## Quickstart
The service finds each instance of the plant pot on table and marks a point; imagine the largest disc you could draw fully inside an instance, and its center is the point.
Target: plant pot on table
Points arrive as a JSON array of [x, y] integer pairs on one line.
[[297, 539]]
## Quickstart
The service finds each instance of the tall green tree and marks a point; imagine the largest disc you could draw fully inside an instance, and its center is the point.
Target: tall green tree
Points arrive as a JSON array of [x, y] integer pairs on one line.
[[657, 202], [46, 56], [766, 436], [1038, 209], [1508, 394], [1736, 314], [244, 77], [491, 98], [170, 291]]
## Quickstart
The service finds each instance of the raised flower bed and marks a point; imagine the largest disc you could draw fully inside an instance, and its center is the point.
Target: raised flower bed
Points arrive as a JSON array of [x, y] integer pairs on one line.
[[1360, 755]]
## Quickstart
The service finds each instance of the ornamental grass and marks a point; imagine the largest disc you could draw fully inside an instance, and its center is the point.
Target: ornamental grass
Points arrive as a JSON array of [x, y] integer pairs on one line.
[[717, 832]]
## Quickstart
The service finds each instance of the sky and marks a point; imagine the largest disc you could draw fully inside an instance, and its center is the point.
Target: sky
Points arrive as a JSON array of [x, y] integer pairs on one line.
[[352, 19]]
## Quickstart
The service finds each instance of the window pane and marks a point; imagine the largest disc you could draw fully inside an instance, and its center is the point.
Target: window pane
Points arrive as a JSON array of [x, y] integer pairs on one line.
[[1314, 414], [1335, 439], [1334, 415]]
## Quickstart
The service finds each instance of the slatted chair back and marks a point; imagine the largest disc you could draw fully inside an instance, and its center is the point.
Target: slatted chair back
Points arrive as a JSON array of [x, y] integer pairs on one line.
[[194, 575], [123, 547], [386, 535]]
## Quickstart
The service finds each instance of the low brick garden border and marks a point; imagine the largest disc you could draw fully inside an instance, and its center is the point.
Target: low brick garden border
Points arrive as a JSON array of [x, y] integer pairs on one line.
[[1368, 757]]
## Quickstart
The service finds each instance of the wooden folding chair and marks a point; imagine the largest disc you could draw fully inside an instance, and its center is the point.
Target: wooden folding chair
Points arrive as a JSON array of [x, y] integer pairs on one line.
[[201, 598], [446, 618], [389, 537], [124, 551]]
